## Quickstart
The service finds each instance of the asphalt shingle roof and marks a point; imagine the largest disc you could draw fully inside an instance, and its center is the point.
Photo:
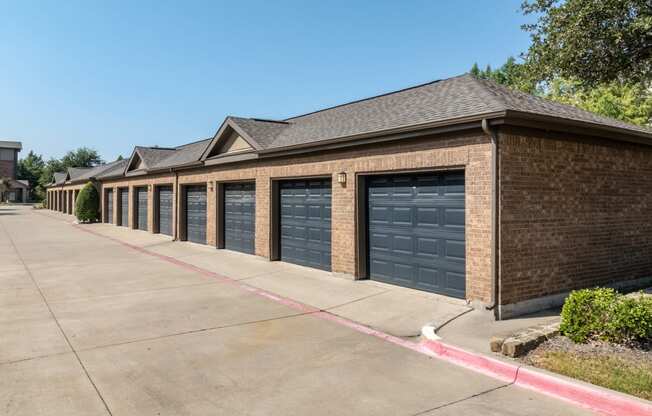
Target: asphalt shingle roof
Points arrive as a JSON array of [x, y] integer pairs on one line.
[[182, 155], [59, 177], [439, 101], [113, 169]]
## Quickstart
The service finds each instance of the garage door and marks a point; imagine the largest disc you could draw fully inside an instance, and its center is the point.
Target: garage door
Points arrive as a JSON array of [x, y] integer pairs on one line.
[[165, 210], [240, 217], [124, 207], [141, 208], [306, 222], [196, 214], [416, 231], [109, 206]]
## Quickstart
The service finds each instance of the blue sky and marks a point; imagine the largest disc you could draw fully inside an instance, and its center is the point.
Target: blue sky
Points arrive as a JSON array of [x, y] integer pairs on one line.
[[111, 75]]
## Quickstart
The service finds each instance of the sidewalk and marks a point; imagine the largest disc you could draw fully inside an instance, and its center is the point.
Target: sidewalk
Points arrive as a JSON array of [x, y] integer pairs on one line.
[[391, 309]]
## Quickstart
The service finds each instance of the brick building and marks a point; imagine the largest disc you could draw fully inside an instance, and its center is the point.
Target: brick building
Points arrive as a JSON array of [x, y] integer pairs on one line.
[[17, 190], [460, 187]]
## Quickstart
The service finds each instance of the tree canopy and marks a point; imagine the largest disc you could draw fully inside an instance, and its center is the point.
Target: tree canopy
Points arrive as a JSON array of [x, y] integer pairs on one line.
[[81, 158], [40, 173], [591, 41], [593, 54]]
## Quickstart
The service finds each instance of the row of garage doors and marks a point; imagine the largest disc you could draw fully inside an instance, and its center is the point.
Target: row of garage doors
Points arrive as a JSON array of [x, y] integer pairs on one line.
[[414, 225]]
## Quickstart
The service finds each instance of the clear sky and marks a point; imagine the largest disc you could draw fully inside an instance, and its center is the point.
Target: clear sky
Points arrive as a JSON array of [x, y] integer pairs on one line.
[[111, 75]]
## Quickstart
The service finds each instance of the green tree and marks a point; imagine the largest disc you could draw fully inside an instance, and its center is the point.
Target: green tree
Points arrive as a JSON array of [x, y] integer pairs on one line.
[[51, 166], [593, 42], [631, 103], [87, 204], [81, 158], [512, 74], [31, 168]]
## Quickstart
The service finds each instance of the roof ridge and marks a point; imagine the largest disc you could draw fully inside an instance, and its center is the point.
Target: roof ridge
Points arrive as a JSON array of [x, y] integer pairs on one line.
[[264, 120], [188, 144], [495, 97], [375, 96]]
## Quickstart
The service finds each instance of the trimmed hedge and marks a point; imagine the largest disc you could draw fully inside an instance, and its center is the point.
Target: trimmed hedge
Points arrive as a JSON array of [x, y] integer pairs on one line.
[[605, 314], [87, 204]]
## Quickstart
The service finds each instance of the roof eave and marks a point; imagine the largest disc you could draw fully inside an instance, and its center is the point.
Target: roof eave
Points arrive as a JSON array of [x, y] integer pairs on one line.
[[551, 123], [458, 124]]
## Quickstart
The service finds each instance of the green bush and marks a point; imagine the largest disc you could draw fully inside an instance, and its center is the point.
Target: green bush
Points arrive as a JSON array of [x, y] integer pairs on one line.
[[605, 314], [87, 204]]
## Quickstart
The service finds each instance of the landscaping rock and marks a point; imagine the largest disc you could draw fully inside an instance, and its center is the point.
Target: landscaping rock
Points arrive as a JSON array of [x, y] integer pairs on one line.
[[524, 341], [496, 343]]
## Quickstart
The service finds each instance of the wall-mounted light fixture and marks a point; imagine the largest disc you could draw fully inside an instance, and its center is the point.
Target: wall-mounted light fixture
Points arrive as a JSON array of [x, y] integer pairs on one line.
[[341, 178], [210, 186], [149, 187]]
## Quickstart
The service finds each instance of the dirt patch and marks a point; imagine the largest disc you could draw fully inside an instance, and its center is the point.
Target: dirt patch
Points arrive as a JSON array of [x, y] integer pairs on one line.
[[617, 367]]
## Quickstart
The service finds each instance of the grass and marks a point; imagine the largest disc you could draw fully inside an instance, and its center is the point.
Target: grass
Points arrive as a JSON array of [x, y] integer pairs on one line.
[[615, 373]]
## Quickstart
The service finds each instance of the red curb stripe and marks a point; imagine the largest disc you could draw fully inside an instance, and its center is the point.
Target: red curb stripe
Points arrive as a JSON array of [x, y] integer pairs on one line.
[[588, 397], [595, 399], [489, 366]]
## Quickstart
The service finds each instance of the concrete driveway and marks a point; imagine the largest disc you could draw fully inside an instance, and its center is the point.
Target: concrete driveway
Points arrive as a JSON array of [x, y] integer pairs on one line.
[[89, 326]]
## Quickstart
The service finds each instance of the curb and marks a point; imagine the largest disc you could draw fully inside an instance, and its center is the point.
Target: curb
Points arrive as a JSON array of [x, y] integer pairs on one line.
[[584, 395], [600, 400]]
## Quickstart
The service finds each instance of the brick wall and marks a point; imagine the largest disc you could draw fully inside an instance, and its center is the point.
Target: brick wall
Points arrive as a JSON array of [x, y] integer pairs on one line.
[[149, 181], [574, 213], [7, 169], [471, 151]]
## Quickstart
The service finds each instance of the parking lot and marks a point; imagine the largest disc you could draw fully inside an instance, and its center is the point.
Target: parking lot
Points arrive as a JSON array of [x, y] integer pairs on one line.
[[91, 326]]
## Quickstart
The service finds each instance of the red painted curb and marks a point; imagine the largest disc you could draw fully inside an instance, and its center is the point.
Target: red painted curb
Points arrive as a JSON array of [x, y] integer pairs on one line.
[[595, 399], [585, 396]]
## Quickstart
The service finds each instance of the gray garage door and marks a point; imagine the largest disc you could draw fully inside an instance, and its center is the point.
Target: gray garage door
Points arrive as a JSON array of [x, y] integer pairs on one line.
[[196, 214], [124, 207], [141, 208], [165, 210], [109, 206], [306, 222], [240, 217], [416, 231]]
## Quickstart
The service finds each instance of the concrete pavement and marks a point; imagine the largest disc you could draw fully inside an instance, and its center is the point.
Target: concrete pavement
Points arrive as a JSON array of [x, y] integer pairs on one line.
[[90, 326]]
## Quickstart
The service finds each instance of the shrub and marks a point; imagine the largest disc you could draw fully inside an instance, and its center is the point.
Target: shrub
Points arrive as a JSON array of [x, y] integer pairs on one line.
[[87, 204], [607, 315]]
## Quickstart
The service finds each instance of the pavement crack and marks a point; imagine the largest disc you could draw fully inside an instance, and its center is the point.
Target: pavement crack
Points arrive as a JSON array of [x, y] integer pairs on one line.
[[353, 301], [461, 400], [196, 331]]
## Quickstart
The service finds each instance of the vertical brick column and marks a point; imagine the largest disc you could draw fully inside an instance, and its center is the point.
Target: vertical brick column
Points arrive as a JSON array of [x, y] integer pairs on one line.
[[262, 215], [150, 208], [343, 224], [211, 199]]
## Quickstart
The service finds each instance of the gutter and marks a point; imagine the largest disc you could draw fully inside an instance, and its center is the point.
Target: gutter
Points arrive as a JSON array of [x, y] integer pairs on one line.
[[495, 275], [444, 126]]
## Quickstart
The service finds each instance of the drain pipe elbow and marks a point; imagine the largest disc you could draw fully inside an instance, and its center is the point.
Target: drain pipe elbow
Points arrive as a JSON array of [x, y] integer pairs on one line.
[[495, 276]]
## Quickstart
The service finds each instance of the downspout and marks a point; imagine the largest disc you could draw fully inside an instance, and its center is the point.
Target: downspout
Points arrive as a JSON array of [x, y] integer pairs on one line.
[[495, 276], [176, 204]]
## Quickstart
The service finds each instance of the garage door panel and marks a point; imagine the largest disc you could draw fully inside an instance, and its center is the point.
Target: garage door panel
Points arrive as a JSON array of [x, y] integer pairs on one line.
[[165, 204], [196, 214], [124, 208], [416, 231], [455, 250], [305, 222], [240, 217], [141, 208], [109, 206]]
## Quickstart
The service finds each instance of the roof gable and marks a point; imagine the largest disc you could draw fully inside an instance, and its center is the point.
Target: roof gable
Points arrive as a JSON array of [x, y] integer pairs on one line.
[[135, 162], [239, 134]]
